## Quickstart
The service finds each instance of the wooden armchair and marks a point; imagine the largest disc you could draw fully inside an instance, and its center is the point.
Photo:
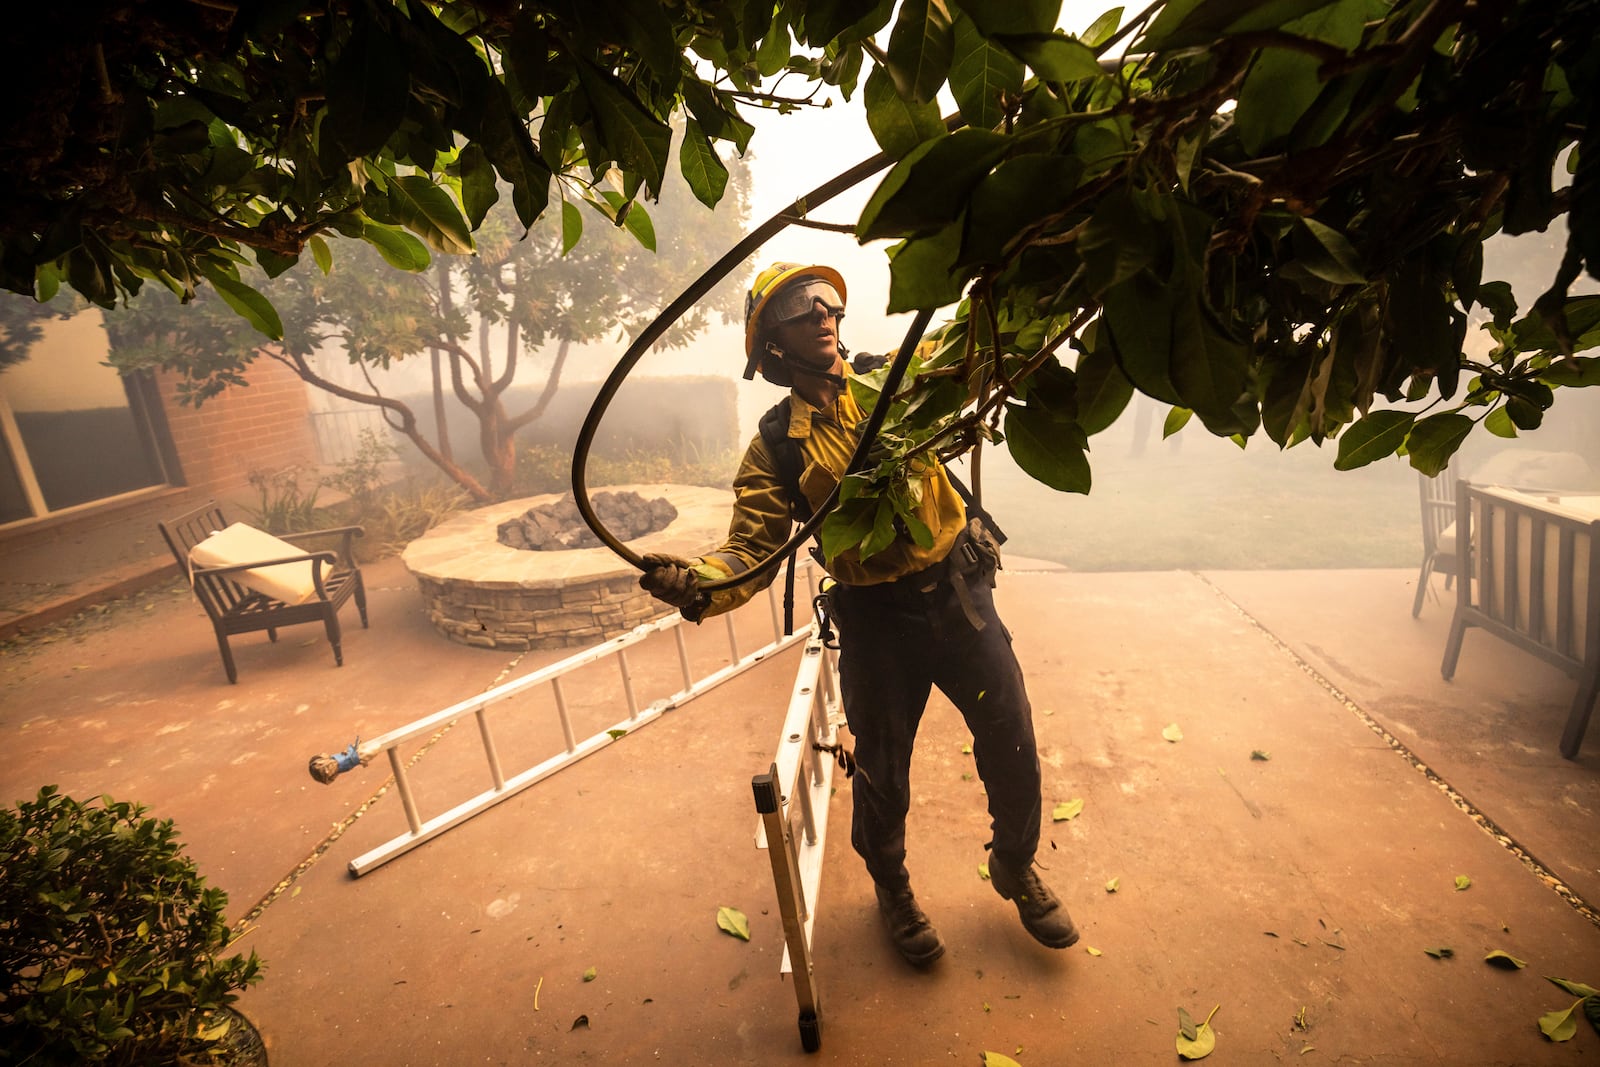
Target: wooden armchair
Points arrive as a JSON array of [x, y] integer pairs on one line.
[[276, 583]]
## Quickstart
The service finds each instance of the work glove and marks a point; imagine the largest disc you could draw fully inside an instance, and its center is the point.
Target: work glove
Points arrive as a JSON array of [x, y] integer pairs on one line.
[[668, 578]]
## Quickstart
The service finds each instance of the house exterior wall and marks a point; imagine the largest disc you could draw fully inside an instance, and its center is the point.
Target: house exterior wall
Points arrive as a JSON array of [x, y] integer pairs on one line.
[[263, 426]]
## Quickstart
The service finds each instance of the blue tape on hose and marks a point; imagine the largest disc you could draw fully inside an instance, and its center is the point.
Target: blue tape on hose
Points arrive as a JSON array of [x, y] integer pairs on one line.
[[349, 759]]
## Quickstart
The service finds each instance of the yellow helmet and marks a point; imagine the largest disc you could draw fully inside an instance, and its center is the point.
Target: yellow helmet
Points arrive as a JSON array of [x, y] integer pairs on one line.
[[765, 287]]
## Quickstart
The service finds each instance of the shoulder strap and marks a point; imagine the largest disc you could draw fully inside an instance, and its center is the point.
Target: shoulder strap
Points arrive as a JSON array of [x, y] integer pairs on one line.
[[785, 452]]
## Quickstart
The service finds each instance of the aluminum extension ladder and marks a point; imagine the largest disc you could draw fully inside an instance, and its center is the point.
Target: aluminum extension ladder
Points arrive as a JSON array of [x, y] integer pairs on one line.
[[792, 799], [516, 694]]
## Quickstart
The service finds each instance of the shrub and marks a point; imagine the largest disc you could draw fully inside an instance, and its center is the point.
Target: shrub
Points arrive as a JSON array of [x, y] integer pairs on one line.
[[109, 939]]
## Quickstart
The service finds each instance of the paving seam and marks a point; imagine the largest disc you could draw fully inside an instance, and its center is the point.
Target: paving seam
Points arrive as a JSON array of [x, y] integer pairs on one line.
[[245, 924], [1543, 873]]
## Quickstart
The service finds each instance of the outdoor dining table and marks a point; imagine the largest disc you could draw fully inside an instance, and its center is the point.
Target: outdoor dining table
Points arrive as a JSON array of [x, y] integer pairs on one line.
[[1533, 579]]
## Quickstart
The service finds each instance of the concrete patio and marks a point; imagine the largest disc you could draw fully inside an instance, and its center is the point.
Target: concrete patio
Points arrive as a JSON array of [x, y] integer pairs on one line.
[[1297, 893]]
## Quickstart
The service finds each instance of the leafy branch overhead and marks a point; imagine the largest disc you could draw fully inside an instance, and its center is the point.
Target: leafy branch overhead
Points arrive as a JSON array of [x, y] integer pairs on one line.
[[1270, 217]]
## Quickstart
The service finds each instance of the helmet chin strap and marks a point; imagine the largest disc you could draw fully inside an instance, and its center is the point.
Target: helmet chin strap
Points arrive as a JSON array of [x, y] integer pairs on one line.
[[796, 367]]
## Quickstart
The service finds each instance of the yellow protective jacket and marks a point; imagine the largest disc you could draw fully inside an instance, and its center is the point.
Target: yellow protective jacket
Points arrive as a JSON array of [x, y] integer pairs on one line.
[[762, 521]]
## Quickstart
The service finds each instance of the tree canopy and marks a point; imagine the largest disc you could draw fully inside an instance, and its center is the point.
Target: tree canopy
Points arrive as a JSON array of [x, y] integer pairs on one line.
[[1269, 216]]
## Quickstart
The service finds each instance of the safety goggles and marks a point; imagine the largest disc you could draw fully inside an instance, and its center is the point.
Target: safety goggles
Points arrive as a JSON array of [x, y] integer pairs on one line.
[[800, 299]]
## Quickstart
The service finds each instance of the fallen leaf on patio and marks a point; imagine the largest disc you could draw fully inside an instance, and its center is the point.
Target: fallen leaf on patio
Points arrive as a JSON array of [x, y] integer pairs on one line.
[[967, 777], [1172, 733], [1070, 809], [1440, 953], [582, 1020], [1049, 711], [1260, 754], [1113, 885], [1195, 1042], [983, 871], [1091, 950], [614, 734], [996, 1059], [986, 1005], [1462, 882], [1577, 989], [1504, 960], [734, 922], [1560, 1025], [1308, 1048], [966, 750], [590, 975]]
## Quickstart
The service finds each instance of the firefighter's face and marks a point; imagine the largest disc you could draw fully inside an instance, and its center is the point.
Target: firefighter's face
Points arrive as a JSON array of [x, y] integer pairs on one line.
[[811, 337]]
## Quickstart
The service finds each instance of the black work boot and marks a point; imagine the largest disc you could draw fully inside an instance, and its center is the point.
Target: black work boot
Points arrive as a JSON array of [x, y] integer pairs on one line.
[[913, 935], [1042, 914]]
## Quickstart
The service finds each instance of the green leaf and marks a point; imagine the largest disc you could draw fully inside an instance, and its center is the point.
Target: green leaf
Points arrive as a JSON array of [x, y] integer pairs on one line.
[[320, 253], [1013, 16], [1202, 1044], [1284, 83], [1172, 733], [1102, 28], [1187, 23], [922, 271], [1010, 201], [591, 974], [1498, 422], [1048, 447], [571, 225], [632, 216], [616, 733], [479, 191], [983, 872], [1113, 885], [1378, 434], [981, 75], [1577, 989], [428, 211], [733, 921], [1329, 254], [638, 139], [702, 168], [254, 308], [397, 247], [1103, 392], [995, 1059], [1175, 421], [898, 125], [883, 530], [920, 48], [1067, 810], [1260, 754], [1560, 1025], [929, 187], [1055, 57], [1462, 882], [1433, 442], [1504, 960], [847, 526]]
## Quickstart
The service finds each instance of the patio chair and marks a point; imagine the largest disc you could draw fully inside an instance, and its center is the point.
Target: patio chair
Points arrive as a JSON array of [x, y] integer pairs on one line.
[[1438, 534], [248, 580]]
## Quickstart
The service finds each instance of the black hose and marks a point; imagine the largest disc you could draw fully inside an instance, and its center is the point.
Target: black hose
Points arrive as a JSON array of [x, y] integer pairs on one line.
[[674, 311]]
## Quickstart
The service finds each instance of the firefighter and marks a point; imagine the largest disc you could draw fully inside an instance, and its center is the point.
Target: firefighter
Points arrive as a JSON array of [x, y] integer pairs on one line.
[[909, 617]]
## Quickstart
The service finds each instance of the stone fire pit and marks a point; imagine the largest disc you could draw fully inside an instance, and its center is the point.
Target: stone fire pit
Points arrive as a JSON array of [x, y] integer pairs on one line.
[[483, 593]]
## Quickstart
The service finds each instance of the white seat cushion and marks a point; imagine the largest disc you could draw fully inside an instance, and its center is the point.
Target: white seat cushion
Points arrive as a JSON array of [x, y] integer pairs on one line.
[[292, 583]]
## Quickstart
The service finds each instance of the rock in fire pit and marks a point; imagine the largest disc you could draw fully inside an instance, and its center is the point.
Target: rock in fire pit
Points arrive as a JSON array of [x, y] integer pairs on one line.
[[558, 526]]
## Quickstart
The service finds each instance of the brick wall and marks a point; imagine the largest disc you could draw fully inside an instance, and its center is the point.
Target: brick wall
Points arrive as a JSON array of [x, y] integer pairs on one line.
[[264, 426]]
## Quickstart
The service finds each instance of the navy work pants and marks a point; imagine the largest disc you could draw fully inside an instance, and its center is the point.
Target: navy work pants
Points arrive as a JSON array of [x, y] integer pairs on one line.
[[896, 641]]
